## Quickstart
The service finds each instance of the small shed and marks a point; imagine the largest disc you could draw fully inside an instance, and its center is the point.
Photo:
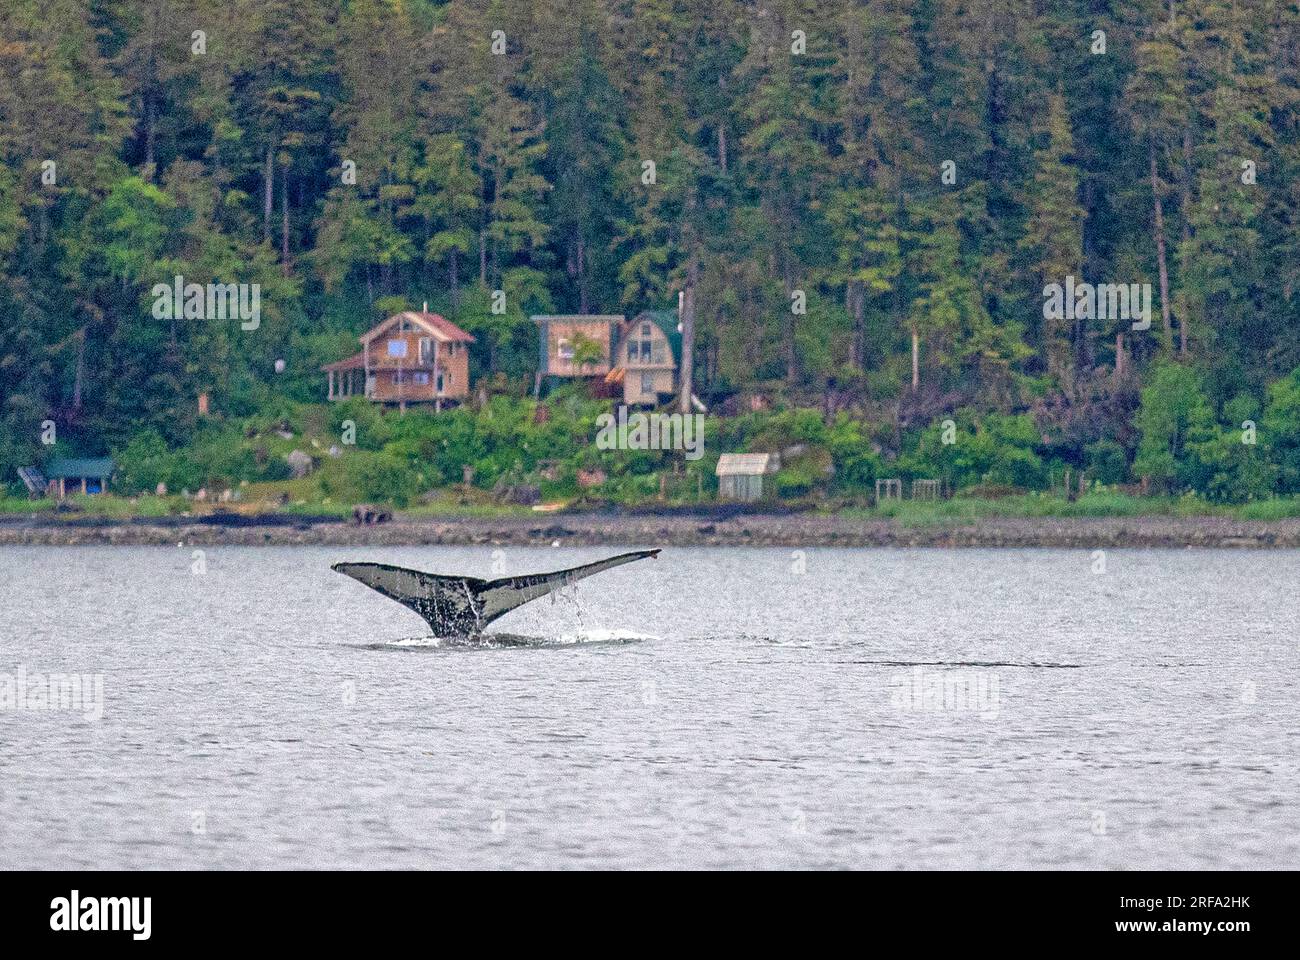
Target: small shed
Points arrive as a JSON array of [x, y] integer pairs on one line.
[[87, 475], [740, 475]]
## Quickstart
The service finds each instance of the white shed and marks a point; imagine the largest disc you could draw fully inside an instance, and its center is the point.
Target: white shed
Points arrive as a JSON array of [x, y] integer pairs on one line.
[[740, 475]]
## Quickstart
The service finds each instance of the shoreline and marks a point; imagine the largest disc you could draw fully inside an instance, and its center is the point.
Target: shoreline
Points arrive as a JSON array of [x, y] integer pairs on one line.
[[593, 529]]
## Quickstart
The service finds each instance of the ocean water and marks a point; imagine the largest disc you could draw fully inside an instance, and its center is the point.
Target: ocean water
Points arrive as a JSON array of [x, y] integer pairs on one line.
[[714, 708]]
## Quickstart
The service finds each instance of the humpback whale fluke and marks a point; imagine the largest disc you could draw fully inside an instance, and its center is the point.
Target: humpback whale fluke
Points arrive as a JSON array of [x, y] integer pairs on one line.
[[463, 606]]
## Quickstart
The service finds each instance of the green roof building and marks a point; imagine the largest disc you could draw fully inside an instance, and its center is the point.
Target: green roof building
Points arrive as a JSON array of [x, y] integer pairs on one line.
[[89, 475]]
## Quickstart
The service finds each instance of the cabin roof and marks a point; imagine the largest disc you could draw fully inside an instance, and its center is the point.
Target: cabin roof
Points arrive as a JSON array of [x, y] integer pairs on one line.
[[69, 467], [355, 362], [747, 464], [436, 325], [666, 321], [577, 317]]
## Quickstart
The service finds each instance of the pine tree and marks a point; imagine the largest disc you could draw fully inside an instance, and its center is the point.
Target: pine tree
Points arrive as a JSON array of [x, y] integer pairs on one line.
[[1054, 227], [363, 222], [1155, 101], [585, 146], [786, 91]]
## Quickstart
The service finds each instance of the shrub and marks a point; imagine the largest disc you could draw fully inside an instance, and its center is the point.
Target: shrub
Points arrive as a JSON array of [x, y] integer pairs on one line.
[[1174, 416], [1000, 450], [1233, 471], [1107, 462], [798, 478], [144, 462], [366, 475], [856, 462], [1280, 429], [372, 427]]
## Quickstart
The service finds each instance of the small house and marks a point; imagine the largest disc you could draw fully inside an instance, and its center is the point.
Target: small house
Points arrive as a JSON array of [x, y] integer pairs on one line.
[[740, 475], [637, 357], [412, 357], [79, 475], [576, 345], [648, 348]]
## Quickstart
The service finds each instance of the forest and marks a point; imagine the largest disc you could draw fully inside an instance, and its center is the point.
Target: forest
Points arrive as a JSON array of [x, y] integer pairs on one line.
[[861, 206]]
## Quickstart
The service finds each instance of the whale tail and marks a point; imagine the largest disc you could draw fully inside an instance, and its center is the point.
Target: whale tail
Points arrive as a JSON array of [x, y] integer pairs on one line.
[[463, 606]]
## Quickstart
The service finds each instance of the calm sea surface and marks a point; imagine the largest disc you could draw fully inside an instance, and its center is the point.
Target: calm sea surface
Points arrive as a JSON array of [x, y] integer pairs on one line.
[[714, 708]]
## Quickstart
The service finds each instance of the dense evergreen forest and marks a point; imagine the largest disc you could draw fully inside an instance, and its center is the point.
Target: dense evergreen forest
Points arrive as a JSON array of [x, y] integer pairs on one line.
[[863, 203]]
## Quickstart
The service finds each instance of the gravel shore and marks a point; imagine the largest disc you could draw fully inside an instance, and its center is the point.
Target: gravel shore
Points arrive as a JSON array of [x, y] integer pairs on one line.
[[797, 530]]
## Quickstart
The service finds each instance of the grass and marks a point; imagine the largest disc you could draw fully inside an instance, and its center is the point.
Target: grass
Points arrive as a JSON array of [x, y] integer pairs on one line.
[[304, 496], [1098, 504], [457, 502], [113, 506]]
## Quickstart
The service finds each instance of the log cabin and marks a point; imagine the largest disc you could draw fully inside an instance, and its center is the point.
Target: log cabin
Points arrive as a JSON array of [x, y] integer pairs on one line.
[[412, 357]]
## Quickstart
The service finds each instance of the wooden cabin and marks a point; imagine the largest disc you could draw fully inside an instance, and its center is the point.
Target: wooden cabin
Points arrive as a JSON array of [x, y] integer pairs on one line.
[[412, 357], [576, 345], [647, 355], [637, 357]]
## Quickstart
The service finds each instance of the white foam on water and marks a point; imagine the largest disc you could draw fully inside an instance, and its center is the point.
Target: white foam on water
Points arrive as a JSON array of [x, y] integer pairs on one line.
[[603, 636], [502, 641], [417, 642]]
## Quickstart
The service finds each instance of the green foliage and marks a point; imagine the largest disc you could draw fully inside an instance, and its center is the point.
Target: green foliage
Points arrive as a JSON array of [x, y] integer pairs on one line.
[[146, 462], [1107, 462], [353, 158], [1280, 429], [855, 458], [1173, 419], [586, 352], [367, 476], [800, 476], [362, 422], [221, 456], [771, 432], [1232, 471], [1000, 450]]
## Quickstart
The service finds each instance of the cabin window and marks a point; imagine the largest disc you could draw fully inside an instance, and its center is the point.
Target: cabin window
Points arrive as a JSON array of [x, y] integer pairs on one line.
[[397, 348], [647, 383], [639, 348], [443, 379], [564, 349], [426, 349], [420, 379]]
